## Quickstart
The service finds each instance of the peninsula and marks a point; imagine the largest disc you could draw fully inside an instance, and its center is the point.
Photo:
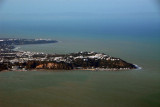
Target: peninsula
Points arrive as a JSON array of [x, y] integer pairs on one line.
[[24, 60]]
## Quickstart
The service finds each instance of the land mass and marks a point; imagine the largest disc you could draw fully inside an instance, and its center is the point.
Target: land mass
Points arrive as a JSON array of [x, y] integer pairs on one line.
[[24, 60]]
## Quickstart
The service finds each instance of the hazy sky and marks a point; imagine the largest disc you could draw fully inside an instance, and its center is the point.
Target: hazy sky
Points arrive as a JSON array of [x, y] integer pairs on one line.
[[51, 9]]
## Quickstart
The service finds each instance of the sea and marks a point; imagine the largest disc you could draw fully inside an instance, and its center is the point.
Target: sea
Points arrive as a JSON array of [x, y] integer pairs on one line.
[[132, 35]]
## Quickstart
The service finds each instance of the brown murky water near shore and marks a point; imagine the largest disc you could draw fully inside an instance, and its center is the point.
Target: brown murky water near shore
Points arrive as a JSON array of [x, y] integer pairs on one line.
[[130, 88]]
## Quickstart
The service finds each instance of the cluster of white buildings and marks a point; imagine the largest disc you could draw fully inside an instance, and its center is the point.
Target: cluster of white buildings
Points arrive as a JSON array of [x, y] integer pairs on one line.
[[96, 56], [24, 56]]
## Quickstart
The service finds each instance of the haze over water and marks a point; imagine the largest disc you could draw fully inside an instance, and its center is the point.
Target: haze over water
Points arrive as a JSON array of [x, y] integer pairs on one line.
[[129, 29]]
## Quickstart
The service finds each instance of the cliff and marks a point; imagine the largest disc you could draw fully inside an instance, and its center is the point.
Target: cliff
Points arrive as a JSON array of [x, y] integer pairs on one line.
[[48, 65], [79, 64]]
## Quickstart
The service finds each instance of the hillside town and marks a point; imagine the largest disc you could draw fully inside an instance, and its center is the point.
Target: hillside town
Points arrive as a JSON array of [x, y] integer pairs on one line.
[[12, 60]]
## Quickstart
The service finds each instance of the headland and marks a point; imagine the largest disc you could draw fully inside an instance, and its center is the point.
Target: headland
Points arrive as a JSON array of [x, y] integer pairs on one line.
[[13, 60]]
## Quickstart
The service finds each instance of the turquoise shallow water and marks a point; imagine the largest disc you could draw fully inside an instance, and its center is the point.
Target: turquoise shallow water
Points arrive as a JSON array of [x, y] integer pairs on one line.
[[143, 51]]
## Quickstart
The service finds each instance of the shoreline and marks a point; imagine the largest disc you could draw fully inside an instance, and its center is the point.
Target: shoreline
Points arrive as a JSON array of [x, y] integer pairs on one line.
[[53, 70], [19, 60]]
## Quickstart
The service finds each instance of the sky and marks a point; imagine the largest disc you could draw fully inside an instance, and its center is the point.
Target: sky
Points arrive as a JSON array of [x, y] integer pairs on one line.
[[51, 9]]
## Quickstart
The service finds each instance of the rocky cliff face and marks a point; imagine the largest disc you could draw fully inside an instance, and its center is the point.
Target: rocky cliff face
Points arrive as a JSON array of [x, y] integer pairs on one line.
[[48, 65], [53, 66], [80, 63]]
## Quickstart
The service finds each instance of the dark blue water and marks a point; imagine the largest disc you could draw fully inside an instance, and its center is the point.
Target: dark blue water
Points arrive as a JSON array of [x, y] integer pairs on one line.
[[88, 18]]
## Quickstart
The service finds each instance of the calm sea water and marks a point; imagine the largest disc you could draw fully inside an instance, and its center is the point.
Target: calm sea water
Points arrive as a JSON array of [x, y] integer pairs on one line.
[[129, 32]]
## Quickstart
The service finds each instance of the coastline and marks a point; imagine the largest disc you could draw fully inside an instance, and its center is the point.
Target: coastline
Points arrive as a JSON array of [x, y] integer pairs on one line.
[[138, 67], [54, 70], [20, 60]]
